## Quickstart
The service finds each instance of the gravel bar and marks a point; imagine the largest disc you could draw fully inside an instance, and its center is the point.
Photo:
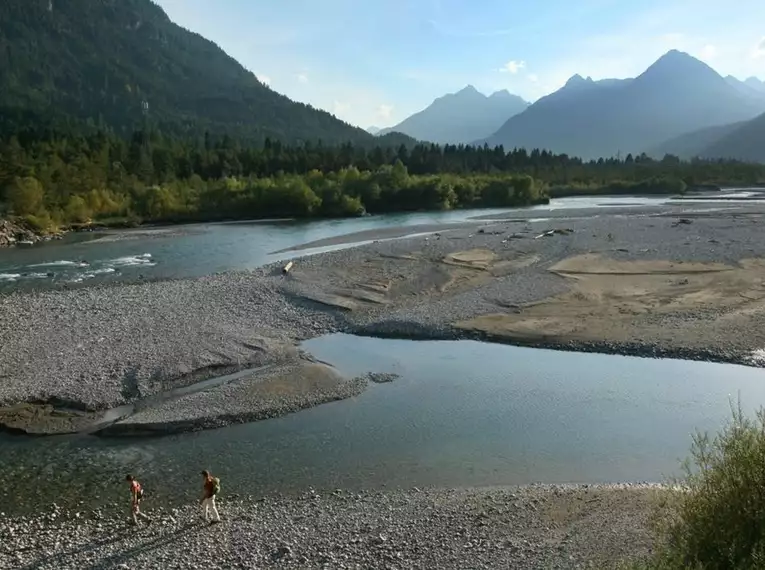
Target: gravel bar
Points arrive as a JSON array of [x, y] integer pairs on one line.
[[95, 348], [524, 527]]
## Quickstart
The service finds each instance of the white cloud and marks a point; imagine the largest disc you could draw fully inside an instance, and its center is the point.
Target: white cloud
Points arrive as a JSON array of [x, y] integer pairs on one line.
[[759, 49], [512, 66], [533, 77], [384, 111], [302, 78], [264, 79], [340, 108], [709, 51]]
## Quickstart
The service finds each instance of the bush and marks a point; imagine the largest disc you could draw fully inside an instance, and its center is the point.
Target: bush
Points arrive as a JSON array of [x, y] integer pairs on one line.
[[41, 223], [719, 521]]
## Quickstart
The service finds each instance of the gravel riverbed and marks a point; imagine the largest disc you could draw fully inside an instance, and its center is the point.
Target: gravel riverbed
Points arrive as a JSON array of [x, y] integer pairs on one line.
[[94, 348], [525, 527]]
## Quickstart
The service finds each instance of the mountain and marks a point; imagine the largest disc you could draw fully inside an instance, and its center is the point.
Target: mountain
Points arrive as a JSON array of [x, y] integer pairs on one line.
[[756, 84], [695, 143], [373, 130], [461, 117], [113, 61], [676, 95], [752, 87], [745, 142]]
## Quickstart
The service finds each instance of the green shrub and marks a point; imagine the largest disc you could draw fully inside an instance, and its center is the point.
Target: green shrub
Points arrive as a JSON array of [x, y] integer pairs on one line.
[[41, 223], [718, 520]]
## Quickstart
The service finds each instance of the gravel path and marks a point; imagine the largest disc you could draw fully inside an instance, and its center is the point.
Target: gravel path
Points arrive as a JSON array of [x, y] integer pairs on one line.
[[527, 527]]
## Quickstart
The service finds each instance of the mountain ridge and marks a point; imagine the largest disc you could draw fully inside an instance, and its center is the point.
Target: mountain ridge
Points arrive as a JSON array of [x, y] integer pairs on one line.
[[675, 95], [744, 141], [460, 117]]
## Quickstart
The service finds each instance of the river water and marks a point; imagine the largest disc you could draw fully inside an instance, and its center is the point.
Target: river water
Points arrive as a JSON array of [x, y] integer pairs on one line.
[[203, 249], [462, 413]]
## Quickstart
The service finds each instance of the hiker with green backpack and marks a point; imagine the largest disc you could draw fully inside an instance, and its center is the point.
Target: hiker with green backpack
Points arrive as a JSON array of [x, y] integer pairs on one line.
[[211, 489]]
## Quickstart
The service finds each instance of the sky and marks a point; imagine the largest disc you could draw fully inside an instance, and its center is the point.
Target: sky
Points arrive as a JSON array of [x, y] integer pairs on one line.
[[375, 62]]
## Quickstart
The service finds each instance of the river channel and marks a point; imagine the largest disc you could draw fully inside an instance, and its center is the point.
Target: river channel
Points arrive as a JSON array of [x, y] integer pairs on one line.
[[202, 249], [461, 413]]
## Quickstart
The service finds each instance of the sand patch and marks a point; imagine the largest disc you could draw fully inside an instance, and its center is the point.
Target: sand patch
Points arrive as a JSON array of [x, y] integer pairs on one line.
[[472, 258], [613, 300], [384, 279]]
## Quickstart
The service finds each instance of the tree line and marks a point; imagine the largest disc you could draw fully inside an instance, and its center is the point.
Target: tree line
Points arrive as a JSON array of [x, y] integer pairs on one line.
[[52, 178]]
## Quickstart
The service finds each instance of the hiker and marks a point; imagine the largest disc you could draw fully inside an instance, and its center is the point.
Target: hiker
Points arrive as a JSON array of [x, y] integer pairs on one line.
[[210, 489], [136, 496]]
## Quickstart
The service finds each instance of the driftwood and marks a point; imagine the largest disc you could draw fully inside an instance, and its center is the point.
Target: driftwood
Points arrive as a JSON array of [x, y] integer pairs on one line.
[[548, 233]]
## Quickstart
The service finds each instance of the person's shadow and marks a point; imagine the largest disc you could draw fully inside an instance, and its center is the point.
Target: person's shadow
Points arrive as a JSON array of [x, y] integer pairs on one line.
[[152, 542]]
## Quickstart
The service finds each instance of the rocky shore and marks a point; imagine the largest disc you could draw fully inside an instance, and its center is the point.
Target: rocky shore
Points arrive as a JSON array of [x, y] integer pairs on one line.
[[535, 527], [681, 282], [16, 233]]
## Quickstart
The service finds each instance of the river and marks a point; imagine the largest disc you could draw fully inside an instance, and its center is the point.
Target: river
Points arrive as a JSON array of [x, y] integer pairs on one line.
[[202, 249], [461, 413]]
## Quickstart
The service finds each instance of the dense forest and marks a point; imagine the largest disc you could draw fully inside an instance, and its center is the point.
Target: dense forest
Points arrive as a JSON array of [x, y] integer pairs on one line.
[[115, 63], [52, 179]]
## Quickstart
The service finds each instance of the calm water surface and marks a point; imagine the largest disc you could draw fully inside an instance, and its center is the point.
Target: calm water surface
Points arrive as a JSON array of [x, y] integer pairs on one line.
[[462, 413]]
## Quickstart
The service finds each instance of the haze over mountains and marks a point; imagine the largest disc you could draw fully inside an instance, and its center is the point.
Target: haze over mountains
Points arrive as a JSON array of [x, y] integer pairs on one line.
[[461, 117], [674, 96]]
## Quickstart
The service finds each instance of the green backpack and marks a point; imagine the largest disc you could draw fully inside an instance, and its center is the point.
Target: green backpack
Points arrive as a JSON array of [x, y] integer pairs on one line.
[[216, 486]]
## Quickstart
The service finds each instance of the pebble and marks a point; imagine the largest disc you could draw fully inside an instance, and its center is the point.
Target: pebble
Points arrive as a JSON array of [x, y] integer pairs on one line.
[[429, 528]]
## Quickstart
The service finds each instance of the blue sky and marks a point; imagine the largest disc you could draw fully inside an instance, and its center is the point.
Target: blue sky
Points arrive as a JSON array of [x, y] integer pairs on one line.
[[374, 62]]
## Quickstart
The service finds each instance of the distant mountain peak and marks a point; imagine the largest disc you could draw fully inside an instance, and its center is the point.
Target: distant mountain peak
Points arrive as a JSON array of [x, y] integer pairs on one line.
[[579, 81], [677, 56], [675, 59], [468, 89], [676, 67], [461, 117]]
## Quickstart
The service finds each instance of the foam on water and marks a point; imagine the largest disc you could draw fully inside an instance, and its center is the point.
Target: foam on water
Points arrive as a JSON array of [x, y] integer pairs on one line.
[[61, 263], [102, 271], [70, 271], [142, 259]]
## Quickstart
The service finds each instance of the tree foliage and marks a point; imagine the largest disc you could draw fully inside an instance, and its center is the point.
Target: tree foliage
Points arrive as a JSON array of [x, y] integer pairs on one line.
[[60, 177], [120, 63]]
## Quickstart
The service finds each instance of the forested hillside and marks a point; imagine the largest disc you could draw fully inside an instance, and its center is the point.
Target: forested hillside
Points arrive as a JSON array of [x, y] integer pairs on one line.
[[120, 63]]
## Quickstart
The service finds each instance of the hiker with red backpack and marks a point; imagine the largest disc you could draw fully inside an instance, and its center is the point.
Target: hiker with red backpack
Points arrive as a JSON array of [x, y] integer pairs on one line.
[[136, 496], [211, 488]]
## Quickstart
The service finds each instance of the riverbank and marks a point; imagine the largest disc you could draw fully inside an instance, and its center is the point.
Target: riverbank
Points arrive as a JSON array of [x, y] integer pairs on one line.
[[522, 527], [662, 282], [13, 232]]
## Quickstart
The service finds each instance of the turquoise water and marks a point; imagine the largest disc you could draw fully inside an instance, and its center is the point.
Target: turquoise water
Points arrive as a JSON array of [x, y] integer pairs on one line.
[[462, 413]]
